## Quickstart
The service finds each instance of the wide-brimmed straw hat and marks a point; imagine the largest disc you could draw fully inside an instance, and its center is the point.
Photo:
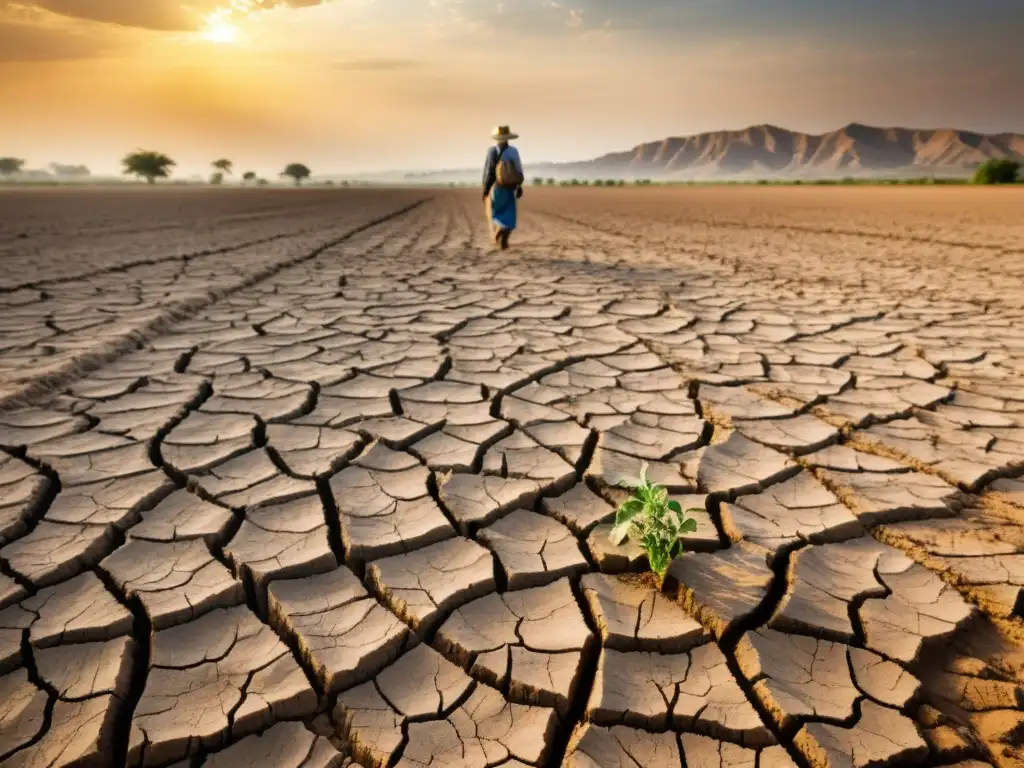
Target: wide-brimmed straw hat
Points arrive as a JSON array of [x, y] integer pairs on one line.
[[502, 133]]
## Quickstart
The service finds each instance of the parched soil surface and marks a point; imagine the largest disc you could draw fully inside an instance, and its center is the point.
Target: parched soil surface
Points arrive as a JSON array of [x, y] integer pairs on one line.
[[321, 478]]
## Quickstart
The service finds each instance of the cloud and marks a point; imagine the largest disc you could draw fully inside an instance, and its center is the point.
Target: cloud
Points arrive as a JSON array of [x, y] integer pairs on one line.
[[21, 42], [24, 37], [158, 15], [374, 64], [524, 18]]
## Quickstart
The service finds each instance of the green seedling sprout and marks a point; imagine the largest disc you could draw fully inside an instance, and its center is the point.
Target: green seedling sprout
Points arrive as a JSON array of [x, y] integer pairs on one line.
[[649, 517]]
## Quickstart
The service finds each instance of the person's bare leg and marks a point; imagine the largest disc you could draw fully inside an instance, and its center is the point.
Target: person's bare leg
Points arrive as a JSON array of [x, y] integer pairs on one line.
[[503, 239], [491, 225]]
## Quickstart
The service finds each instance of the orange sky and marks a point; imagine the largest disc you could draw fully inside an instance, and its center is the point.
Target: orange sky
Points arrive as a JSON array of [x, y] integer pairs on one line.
[[360, 85]]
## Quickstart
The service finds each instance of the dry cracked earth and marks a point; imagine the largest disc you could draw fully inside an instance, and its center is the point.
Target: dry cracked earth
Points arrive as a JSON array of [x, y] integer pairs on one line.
[[319, 478]]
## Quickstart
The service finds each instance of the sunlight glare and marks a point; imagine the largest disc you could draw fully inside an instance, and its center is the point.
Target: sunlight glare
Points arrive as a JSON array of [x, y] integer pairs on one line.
[[220, 31]]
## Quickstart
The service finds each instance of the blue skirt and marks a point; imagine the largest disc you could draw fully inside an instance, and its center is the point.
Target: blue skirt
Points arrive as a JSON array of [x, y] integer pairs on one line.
[[503, 207]]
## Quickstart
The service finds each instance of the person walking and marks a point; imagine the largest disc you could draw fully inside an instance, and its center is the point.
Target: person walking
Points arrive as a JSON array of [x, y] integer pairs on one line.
[[503, 185]]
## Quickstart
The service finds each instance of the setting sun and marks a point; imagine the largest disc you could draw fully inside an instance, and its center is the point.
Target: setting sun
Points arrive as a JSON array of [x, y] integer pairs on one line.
[[218, 31]]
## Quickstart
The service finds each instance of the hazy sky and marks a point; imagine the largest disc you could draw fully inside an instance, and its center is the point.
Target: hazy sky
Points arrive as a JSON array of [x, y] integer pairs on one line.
[[358, 85]]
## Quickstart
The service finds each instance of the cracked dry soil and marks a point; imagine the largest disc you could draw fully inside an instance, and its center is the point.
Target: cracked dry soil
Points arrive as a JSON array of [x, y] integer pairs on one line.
[[319, 478]]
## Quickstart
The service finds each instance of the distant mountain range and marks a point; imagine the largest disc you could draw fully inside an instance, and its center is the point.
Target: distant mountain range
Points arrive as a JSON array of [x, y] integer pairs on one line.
[[767, 151]]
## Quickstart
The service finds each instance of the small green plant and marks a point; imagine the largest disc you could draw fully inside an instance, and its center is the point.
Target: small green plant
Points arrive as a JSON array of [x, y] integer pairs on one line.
[[649, 517]]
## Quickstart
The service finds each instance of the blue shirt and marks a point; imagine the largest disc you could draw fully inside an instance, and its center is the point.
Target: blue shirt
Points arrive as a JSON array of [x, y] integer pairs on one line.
[[491, 164]]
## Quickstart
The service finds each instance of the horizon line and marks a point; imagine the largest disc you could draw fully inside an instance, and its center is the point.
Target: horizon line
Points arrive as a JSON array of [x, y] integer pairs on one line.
[[592, 158]]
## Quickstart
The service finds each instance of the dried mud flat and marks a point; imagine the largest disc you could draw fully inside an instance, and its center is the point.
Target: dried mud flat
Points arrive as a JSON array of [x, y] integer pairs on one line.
[[319, 478]]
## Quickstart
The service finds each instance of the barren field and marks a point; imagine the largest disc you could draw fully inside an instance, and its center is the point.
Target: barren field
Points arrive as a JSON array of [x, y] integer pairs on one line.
[[310, 478]]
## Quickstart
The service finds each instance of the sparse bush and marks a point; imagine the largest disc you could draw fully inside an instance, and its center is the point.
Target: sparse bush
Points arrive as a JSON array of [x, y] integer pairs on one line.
[[622, 182], [574, 183], [148, 165], [70, 171], [996, 171], [262, 183], [551, 182], [649, 517], [10, 166], [538, 182], [217, 178], [297, 171]]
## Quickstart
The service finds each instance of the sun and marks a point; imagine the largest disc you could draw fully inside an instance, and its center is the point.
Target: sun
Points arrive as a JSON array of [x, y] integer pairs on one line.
[[220, 31]]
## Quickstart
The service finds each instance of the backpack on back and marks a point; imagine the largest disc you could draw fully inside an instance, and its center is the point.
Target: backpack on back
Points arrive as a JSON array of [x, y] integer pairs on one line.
[[505, 172]]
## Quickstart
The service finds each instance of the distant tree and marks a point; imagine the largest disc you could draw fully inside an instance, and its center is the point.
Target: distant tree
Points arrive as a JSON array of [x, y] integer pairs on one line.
[[71, 171], [262, 183], [10, 166], [344, 183], [551, 182], [223, 165], [538, 182], [217, 178], [297, 171], [622, 182], [994, 171], [248, 176], [148, 165]]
